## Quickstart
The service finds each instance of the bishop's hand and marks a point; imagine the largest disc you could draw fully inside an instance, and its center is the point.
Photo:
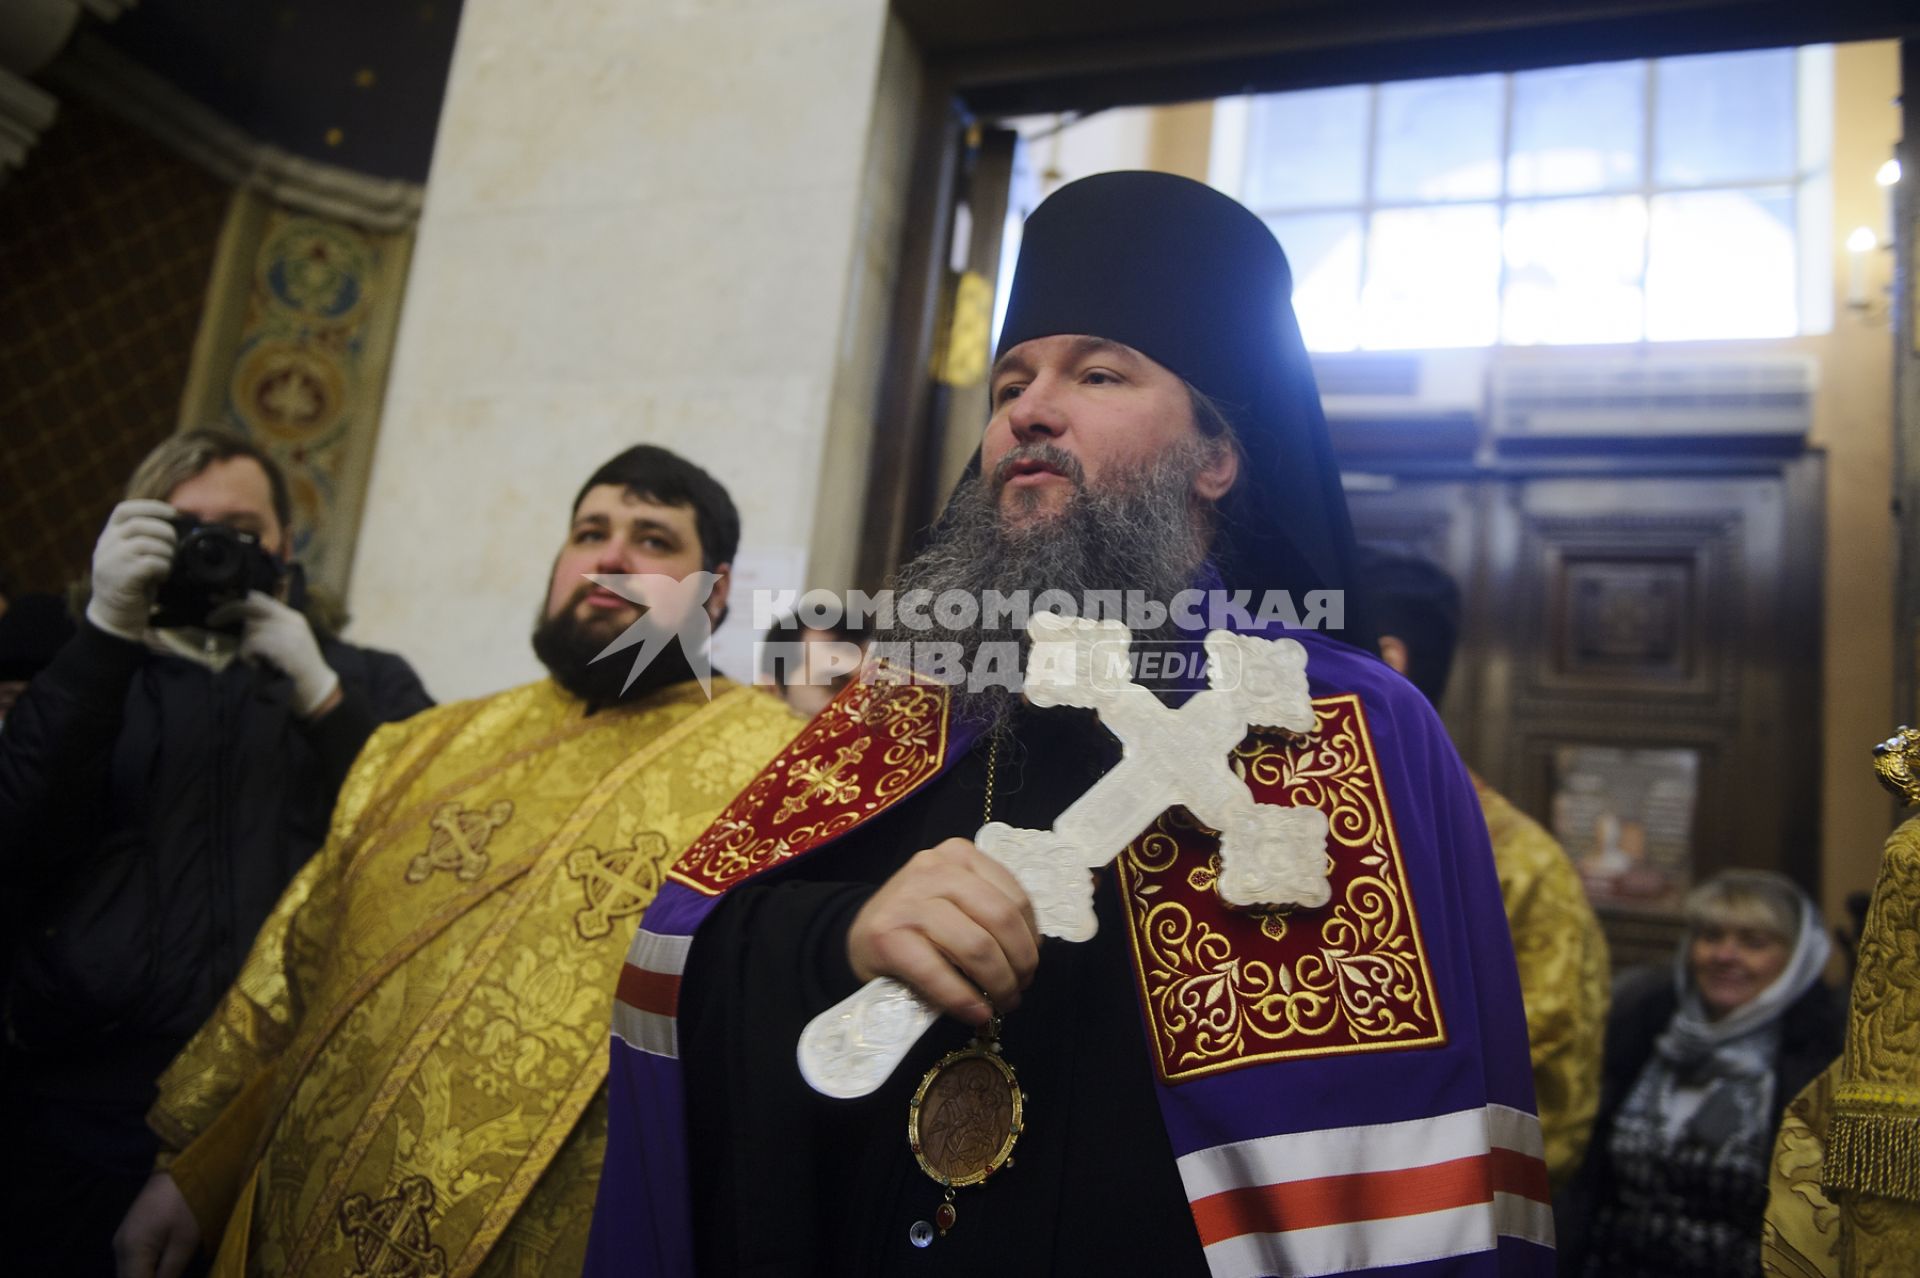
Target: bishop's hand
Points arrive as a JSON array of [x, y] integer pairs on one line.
[[953, 924]]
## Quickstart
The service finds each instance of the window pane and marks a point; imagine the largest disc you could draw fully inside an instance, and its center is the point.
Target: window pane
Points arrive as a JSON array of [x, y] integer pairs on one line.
[[1439, 139], [1306, 149], [1432, 278], [1577, 129], [1724, 117], [1573, 270], [1720, 264], [1324, 251]]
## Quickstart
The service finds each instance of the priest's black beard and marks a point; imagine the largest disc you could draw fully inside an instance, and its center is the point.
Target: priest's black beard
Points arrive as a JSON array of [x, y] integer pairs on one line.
[[1136, 532], [567, 649]]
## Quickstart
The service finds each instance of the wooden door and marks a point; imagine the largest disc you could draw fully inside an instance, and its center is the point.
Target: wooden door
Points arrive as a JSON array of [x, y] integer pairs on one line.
[[1639, 662]]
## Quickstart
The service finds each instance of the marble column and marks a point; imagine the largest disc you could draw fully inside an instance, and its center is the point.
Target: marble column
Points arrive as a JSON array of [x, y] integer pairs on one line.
[[670, 223]]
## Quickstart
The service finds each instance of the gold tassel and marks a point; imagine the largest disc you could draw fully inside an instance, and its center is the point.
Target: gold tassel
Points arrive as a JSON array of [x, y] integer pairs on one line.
[[1873, 1154]]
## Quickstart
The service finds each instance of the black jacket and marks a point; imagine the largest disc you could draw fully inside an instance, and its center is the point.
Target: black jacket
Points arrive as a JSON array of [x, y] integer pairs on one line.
[[151, 812], [1812, 1030]]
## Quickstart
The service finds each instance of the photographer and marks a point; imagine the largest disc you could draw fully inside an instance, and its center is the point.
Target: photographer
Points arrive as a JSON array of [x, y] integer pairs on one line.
[[160, 783]]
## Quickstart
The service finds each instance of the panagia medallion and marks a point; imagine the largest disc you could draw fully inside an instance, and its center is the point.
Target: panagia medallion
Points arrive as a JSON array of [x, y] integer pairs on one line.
[[966, 1114]]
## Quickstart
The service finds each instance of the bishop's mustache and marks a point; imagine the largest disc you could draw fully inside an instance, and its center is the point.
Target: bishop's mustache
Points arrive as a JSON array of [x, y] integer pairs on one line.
[[1051, 456], [1133, 530]]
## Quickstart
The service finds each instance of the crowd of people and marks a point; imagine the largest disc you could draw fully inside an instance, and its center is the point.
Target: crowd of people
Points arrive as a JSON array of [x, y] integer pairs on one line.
[[307, 975]]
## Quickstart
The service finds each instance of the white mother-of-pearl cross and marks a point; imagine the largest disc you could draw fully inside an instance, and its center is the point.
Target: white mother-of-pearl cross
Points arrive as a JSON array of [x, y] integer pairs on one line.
[[1270, 856]]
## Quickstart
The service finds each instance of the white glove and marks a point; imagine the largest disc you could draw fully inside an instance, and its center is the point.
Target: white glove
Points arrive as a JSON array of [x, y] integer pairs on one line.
[[282, 638], [130, 560]]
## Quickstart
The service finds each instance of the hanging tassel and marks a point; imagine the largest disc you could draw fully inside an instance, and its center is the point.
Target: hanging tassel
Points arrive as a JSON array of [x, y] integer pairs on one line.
[[1874, 1154]]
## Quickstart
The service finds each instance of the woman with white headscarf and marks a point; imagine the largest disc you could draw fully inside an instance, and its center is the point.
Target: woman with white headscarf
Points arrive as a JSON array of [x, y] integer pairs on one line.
[[1695, 1076]]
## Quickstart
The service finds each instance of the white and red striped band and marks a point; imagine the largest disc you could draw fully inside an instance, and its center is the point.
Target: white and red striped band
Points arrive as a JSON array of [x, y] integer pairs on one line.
[[1351, 1198], [648, 996]]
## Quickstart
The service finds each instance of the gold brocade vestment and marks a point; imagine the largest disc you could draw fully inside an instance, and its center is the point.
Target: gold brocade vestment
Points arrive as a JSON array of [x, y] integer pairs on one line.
[[405, 1081], [1564, 979], [1844, 1197]]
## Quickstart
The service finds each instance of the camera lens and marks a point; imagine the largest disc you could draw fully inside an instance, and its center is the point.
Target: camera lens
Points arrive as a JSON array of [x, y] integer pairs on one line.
[[213, 556]]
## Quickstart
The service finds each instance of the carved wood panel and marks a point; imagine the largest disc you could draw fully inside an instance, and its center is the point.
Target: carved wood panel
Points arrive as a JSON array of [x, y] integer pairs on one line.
[[1635, 623]]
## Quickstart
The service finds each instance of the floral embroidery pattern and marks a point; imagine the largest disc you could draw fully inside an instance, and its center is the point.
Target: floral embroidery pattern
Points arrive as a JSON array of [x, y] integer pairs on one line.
[[872, 745], [531, 1024], [1225, 988]]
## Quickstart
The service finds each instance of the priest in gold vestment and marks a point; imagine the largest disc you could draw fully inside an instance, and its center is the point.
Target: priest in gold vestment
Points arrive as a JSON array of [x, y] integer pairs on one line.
[[1564, 978], [1844, 1198], [406, 1079], [1557, 942]]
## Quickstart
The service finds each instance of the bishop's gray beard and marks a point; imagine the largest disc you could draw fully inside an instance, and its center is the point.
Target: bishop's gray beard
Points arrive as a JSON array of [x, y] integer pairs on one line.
[[1138, 531]]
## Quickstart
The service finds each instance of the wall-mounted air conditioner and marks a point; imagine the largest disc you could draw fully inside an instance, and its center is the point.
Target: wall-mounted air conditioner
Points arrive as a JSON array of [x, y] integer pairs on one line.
[[1587, 398], [1402, 386], [1427, 405]]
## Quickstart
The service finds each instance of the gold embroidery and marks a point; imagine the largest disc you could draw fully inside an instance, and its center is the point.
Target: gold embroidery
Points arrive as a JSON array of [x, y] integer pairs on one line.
[[412, 757], [459, 841], [468, 973], [494, 1098], [1273, 922], [392, 821], [523, 1026], [827, 780], [832, 774], [1844, 1195], [550, 1004], [1874, 1138], [1562, 957], [1224, 988], [392, 1238], [1801, 1233], [618, 884], [556, 1155], [431, 1143]]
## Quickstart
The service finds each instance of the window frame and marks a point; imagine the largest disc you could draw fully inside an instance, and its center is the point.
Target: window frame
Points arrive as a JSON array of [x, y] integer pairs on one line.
[[1230, 161]]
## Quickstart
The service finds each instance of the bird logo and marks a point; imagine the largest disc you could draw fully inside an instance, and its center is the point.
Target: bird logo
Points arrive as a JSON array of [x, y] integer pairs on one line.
[[671, 608]]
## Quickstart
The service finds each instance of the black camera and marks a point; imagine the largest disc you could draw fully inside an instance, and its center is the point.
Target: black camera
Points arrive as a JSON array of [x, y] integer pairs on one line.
[[212, 565]]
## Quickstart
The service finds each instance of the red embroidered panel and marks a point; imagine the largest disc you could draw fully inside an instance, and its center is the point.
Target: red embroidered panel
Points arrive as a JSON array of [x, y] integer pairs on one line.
[[1225, 988], [871, 747]]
